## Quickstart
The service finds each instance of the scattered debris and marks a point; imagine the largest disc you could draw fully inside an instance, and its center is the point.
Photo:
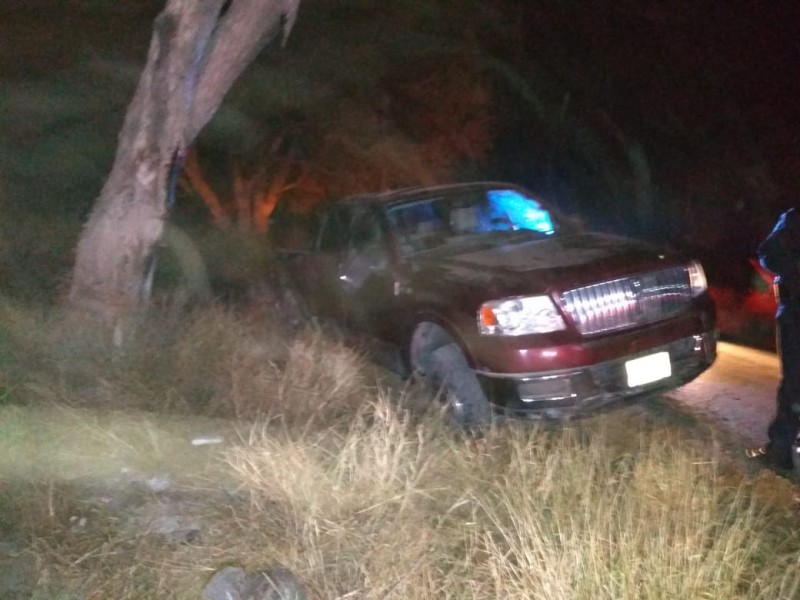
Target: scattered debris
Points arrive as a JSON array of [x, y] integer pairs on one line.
[[232, 583], [207, 440]]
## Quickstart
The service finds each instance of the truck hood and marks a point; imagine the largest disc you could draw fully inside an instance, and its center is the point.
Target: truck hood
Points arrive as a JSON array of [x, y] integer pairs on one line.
[[558, 262]]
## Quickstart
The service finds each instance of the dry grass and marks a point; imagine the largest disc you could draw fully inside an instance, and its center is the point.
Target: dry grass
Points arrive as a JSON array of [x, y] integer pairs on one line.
[[326, 472], [209, 361], [390, 510]]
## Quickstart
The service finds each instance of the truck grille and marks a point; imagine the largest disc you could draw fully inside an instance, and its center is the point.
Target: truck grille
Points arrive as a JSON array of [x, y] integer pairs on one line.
[[629, 301]]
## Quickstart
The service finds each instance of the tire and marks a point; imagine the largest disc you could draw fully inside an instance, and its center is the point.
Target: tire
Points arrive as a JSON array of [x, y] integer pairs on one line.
[[466, 403]]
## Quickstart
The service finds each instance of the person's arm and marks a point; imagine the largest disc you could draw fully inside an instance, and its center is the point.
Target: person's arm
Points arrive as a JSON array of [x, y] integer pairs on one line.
[[780, 251]]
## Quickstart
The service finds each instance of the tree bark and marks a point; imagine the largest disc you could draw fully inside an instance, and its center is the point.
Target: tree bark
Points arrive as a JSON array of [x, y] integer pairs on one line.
[[197, 51]]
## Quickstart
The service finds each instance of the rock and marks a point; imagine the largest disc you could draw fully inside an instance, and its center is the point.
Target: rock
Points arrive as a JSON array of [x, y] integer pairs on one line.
[[232, 583], [158, 483], [226, 584], [172, 517]]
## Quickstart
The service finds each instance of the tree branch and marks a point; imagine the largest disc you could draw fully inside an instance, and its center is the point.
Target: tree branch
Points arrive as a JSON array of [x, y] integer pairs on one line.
[[196, 180], [245, 28]]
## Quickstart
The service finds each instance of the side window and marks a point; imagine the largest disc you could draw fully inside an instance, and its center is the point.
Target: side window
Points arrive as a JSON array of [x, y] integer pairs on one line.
[[416, 224], [365, 231], [333, 237], [366, 253]]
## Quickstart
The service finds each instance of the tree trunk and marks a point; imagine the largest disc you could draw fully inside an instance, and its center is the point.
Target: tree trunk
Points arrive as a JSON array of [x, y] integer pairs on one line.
[[198, 50]]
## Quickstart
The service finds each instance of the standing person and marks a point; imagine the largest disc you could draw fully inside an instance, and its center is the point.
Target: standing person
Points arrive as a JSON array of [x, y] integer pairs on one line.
[[780, 254]]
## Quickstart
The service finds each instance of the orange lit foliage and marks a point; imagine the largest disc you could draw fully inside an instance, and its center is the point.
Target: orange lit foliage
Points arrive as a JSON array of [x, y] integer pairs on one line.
[[446, 106], [253, 192], [423, 120], [431, 118]]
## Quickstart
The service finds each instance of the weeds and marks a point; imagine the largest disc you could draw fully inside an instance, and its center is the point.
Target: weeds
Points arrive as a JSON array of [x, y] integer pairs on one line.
[[337, 477]]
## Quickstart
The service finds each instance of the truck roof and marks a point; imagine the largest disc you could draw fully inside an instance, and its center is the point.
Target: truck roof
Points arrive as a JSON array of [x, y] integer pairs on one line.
[[408, 193]]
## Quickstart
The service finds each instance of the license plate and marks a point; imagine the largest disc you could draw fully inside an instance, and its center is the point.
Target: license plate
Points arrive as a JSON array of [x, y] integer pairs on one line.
[[647, 369]]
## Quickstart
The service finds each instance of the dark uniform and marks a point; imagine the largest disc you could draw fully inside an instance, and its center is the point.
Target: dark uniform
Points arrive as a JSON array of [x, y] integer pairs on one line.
[[780, 253]]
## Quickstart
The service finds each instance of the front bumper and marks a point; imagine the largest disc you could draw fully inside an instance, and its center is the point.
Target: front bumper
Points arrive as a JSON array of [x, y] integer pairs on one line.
[[567, 392]]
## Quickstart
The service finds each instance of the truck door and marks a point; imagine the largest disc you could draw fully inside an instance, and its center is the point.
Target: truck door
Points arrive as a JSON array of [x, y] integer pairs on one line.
[[365, 272]]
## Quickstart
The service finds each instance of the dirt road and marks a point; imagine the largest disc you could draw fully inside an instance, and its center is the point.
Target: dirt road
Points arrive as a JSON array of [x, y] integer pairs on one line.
[[738, 391]]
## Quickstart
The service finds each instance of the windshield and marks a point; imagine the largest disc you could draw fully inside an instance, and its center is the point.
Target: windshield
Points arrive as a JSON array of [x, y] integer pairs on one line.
[[467, 216]]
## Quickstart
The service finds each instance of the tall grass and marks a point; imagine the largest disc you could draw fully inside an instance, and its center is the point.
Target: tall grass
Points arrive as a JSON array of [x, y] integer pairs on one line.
[[332, 474], [387, 510]]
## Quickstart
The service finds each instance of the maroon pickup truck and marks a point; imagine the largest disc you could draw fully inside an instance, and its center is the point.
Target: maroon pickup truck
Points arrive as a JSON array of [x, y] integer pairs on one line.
[[498, 300]]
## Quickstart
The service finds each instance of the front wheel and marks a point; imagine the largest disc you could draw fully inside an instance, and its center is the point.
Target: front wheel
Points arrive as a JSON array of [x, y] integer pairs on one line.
[[465, 401]]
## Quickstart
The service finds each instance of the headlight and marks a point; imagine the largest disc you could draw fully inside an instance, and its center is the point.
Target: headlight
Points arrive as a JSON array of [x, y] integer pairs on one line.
[[697, 278], [519, 316]]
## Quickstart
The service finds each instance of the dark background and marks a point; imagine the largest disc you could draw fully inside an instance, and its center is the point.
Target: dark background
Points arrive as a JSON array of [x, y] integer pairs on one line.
[[672, 121]]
